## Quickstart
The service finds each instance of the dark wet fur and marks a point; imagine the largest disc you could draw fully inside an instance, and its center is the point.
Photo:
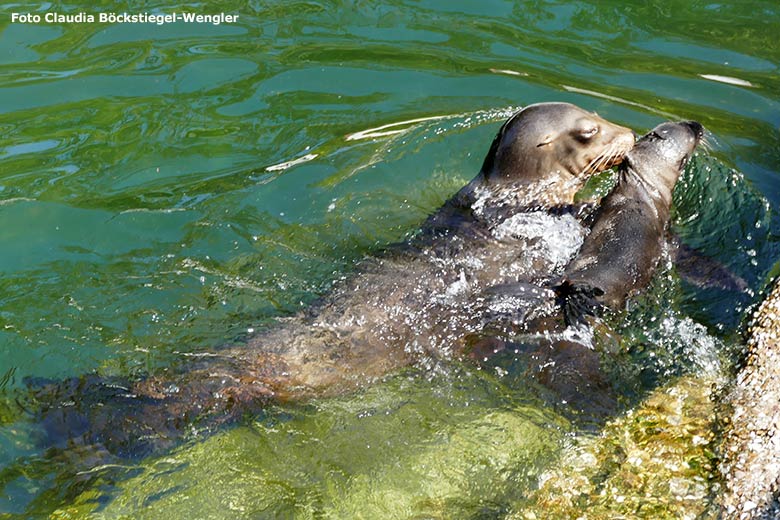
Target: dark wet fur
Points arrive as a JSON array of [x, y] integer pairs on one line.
[[134, 418]]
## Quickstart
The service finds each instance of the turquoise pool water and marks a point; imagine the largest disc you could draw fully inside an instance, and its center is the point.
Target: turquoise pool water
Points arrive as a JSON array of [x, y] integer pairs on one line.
[[165, 189]]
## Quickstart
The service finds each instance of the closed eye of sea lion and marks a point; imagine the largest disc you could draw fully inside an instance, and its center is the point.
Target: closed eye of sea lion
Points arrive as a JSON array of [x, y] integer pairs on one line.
[[407, 305]]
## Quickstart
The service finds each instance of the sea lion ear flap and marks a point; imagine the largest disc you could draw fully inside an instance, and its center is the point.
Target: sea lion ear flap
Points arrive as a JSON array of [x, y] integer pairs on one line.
[[547, 139]]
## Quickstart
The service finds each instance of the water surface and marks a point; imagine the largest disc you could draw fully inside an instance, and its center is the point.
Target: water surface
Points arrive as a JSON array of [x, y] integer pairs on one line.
[[167, 189]]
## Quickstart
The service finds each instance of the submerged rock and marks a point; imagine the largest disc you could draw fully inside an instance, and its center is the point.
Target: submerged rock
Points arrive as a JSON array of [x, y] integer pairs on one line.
[[654, 462]]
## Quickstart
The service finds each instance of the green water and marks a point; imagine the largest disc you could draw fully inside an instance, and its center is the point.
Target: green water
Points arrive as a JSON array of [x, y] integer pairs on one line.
[[148, 209]]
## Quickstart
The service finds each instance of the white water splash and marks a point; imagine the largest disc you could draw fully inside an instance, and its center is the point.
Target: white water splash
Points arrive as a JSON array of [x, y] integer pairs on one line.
[[700, 349], [557, 238], [457, 288]]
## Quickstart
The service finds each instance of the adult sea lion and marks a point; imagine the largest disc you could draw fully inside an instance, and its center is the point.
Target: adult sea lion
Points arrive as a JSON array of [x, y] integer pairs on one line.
[[414, 302]]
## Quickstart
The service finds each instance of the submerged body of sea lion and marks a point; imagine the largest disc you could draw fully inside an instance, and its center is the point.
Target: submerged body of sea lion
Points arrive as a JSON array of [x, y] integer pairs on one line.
[[415, 302]]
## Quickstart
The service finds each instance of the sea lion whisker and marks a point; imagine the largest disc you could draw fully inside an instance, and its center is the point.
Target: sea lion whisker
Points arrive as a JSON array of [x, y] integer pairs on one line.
[[589, 168], [705, 142], [617, 155], [614, 158], [609, 154]]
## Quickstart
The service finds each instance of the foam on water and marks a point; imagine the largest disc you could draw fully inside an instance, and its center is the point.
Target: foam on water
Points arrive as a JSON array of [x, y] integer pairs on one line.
[[556, 237], [526, 301], [698, 349]]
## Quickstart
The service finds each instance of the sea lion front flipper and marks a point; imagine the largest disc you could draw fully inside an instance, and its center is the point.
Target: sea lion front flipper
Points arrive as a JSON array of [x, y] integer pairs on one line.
[[700, 270], [578, 300]]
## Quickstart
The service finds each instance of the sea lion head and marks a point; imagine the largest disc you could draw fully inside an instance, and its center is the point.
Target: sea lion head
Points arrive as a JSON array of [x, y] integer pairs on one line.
[[556, 142], [660, 156]]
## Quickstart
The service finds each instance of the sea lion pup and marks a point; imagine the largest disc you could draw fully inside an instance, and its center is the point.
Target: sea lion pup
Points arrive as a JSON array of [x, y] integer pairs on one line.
[[411, 304], [629, 233], [750, 453], [617, 260]]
